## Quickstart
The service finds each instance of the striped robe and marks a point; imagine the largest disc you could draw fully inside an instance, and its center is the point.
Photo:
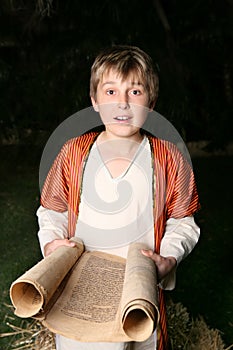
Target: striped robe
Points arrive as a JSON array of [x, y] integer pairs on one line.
[[175, 194]]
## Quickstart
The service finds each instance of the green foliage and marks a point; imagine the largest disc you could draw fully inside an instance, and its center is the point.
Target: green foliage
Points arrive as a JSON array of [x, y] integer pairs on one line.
[[19, 199], [205, 279]]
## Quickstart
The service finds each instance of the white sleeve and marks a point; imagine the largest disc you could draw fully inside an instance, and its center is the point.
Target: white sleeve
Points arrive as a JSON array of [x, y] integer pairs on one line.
[[52, 225], [180, 237]]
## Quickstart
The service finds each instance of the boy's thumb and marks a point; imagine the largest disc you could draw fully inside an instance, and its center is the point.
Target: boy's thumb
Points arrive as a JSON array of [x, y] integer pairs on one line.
[[147, 252]]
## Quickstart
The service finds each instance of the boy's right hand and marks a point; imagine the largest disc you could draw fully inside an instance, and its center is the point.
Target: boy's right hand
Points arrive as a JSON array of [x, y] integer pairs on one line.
[[53, 245]]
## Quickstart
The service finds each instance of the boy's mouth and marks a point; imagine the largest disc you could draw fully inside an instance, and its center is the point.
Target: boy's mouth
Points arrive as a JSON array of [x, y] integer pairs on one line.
[[122, 118]]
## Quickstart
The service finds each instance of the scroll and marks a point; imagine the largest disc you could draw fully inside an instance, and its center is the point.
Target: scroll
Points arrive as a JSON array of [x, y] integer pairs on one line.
[[91, 296]]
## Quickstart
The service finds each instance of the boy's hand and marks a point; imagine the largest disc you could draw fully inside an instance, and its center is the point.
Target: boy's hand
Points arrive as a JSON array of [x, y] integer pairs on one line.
[[164, 265], [53, 245]]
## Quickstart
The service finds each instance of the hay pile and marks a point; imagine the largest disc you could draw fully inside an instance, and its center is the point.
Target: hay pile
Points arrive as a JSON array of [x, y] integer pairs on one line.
[[184, 333], [188, 334], [30, 334]]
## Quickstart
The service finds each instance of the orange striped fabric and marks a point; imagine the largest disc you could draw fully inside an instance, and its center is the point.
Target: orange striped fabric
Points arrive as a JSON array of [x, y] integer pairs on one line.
[[175, 193]]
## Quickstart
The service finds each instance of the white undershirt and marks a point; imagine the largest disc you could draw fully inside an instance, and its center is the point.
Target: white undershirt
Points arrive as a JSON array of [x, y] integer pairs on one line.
[[114, 212]]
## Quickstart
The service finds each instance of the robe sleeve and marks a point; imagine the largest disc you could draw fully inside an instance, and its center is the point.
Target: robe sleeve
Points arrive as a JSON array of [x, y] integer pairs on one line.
[[181, 191], [52, 225], [180, 237], [178, 201], [55, 191]]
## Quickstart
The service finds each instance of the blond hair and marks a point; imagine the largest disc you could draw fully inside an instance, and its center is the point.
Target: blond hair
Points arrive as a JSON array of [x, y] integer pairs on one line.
[[126, 59]]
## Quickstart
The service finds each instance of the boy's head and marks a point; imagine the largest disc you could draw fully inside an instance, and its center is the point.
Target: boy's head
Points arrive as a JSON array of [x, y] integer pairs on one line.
[[126, 60]]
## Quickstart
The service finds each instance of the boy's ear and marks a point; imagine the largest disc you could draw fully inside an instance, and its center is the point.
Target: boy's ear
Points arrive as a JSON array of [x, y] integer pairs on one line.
[[94, 104], [152, 106]]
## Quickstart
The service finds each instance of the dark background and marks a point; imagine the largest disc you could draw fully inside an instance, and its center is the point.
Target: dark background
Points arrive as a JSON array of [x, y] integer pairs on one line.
[[47, 48]]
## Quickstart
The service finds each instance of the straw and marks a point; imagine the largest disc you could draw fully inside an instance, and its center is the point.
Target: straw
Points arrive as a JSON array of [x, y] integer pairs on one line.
[[184, 332]]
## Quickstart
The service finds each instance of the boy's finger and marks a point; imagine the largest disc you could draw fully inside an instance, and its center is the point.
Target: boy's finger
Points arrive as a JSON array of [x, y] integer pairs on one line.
[[147, 252]]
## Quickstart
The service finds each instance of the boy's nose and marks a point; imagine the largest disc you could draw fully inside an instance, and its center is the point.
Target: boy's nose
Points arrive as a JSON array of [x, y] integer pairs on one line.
[[123, 105], [123, 102]]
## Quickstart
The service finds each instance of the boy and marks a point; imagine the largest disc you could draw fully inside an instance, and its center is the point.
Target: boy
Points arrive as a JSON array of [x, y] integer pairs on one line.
[[121, 185]]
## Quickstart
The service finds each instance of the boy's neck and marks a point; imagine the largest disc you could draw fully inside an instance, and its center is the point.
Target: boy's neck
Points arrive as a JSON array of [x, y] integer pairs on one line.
[[106, 136], [118, 146], [117, 153]]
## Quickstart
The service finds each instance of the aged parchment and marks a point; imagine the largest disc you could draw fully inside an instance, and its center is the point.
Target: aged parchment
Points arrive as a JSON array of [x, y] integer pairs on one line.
[[91, 296]]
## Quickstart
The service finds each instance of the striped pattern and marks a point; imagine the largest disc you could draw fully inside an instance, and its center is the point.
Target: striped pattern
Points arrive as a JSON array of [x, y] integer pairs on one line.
[[175, 193]]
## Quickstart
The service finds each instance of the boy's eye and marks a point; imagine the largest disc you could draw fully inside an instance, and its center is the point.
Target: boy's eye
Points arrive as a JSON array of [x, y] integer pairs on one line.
[[110, 92], [135, 92]]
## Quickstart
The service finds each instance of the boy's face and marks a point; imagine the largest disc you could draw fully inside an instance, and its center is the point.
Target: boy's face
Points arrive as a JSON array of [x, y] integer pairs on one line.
[[122, 104]]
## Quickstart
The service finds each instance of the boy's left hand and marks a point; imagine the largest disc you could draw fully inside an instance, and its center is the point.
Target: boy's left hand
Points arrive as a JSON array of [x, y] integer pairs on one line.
[[164, 265]]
